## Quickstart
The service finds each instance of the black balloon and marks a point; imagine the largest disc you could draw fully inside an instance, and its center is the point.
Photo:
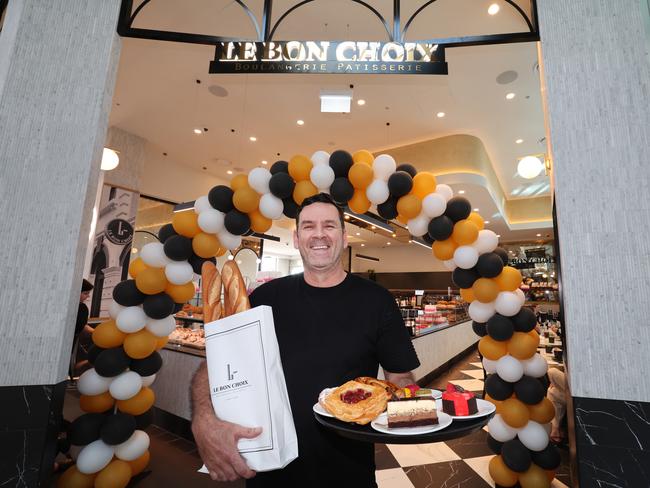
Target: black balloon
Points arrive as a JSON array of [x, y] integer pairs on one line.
[[498, 388], [341, 162], [547, 458], [500, 327], [86, 428], [282, 185], [489, 265], [458, 208], [440, 228], [428, 239], [464, 278], [147, 366], [144, 420], [525, 320], [341, 190], [479, 328], [220, 197], [409, 168], [400, 183], [503, 254], [93, 352], [280, 167], [388, 209], [127, 294], [165, 232], [290, 208], [494, 444], [178, 307], [178, 248], [197, 262], [117, 428], [529, 390], [236, 222], [515, 455], [158, 306], [111, 362]]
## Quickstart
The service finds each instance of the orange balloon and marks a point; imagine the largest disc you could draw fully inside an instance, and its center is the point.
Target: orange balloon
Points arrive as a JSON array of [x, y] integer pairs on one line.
[[465, 232], [404, 220], [360, 175], [363, 157], [221, 251], [138, 465], [423, 184], [444, 250], [186, 223], [534, 477], [522, 345], [509, 279], [492, 349], [514, 413], [259, 223], [467, 294], [161, 342], [551, 474], [205, 245], [303, 189], [181, 293], [533, 333], [136, 266], [107, 335], [496, 403], [477, 219], [239, 181], [72, 478], [246, 199], [359, 203], [300, 167], [500, 473], [542, 412], [116, 475], [409, 206], [138, 404], [140, 344], [485, 290], [96, 403], [151, 281]]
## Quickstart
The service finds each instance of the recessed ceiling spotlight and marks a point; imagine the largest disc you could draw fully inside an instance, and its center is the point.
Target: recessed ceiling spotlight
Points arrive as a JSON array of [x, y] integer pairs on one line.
[[510, 96], [362, 245], [361, 102], [498, 235], [229, 172], [476, 210], [394, 235], [538, 235], [388, 243], [300, 122], [373, 227], [493, 9], [461, 192], [519, 141], [358, 233], [530, 167], [440, 115], [347, 217], [265, 162], [253, 138], [198, 131], [486, 221]]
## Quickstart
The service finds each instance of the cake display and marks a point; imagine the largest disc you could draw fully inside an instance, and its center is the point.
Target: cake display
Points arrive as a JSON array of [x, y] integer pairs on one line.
[[411, 412], [458, 402]]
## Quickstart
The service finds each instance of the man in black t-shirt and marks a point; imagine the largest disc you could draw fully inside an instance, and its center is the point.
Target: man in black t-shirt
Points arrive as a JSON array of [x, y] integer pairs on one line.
[[331, 327]]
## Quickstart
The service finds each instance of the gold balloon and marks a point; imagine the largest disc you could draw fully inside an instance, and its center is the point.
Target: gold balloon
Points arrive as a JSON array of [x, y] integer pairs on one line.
[[259, 223], [186, 223], [116, 475], [138, 465], [522, 345], [246, 199], [409, 206], [477, 219], [303, 189], [239, 181], [465, 232], [401, 218], [467, 294], [514, 413], [359, 203], [534, 477], [136, 266], [485, 290], [444, 250], [205, 245], [492, 349], [181, 293], [424, 183], [138, 404], [542, 412], [140, 344], [509, 279], [96, 403], [221, 251], [360, 175], [550, 473], [300, 167], [496, 403], [151, 281], [363, 157], [161, 342], [500, 473], [72, 478], [107, 335]]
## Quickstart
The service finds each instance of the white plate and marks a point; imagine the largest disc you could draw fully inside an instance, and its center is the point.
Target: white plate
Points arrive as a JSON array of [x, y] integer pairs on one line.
[[381, 424], [436, 394], [320, 410], [484, 408]]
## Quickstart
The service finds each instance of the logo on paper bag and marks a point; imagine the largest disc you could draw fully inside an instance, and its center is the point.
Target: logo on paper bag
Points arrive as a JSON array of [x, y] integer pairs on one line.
[[231, 385]]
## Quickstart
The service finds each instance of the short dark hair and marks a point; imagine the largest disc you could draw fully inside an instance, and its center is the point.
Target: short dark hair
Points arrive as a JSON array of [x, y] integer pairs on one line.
[[320, 198], [86, 285]]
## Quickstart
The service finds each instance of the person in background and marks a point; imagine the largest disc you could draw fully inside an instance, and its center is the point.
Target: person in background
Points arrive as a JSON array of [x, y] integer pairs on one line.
[[557, 392], [81, 329]]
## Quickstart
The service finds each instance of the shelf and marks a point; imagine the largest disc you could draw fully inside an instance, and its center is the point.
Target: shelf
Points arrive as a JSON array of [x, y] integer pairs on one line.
[[188, 319]]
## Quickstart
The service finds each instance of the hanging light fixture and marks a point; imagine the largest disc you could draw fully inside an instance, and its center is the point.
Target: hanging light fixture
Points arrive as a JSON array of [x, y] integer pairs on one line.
[[530, 166], [110, 159]]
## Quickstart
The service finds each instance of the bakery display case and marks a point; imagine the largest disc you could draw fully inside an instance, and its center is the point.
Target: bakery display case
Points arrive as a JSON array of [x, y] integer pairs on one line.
[[427, 311]]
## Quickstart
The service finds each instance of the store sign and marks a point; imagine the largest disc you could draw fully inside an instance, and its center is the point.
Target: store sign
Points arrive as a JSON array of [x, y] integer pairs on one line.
[[345, 57], [530, 262]]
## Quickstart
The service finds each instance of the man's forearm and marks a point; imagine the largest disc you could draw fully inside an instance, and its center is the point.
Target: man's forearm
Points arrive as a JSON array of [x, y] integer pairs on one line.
[[200, 392]]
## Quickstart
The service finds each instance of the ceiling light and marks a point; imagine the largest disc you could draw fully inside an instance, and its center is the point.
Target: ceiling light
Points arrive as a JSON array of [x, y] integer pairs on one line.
[[420, 242], [253, 138], [358, 233], [498, 235], [362, 245], [493, 9], [198, 131], [347, 217], [538, 235], [461, 192], [361, 102], [265, 162], [476, 210], [134, 250], [369, 220], [388, 243], [486, 221], [373, 227], [229, 172], [529, 167], [110, 159], [335, 101], [440, 115], [510, 96], [300, 122], [519, 141], [394, 235]]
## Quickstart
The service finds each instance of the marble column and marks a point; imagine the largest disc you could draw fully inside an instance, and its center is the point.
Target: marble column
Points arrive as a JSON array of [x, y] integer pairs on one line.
[[58, 62]]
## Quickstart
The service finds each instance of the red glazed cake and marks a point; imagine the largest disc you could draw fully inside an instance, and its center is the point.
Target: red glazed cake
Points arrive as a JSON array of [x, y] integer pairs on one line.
[[458, 402]]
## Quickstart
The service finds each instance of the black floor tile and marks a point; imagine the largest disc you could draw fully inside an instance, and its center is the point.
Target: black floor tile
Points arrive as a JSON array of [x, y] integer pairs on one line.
[[471, 446], [445, 475], [384, 459]]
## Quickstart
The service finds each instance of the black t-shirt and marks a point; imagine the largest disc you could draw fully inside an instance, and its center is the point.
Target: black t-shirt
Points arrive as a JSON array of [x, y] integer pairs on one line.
[[82, 319], [328, 336]]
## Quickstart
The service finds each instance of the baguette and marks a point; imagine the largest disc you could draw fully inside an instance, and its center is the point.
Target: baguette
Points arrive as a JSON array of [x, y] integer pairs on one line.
[[211, 287], [234, 289]]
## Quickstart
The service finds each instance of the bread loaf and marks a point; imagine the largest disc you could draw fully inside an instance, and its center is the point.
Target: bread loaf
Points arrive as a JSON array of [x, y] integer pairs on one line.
[[211, 288], [234, 289]]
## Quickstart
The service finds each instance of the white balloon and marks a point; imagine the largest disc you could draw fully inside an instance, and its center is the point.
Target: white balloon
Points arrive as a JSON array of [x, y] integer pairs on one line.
[[501, 431], [90, 383], [419, 225], [211, 221], [489, 365], [509, 368], [507, 303], [535, 366], [445, 191], [320, 158], [114, 309], [271, 206], [94, 457], [465, 257], [228, 240], [533, 436], [377, 192], [179, 272], [487, 241], [202, 204], [134, 447], [125, 385], [450, 264], [481, 312], [322, 176], [161, 327], [148, 380], [131, 319], [521, 296], [434, 205], [384, 166], [153, 254], [258, 179]]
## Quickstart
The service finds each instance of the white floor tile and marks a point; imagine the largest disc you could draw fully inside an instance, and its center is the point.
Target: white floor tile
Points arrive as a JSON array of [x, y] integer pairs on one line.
[[474, 373], [478, 365], [416, 454], [393, 478], [469, 385], [480, 465]]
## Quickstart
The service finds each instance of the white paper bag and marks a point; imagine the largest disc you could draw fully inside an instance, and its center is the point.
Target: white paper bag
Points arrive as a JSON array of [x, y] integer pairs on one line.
[[247, 386]]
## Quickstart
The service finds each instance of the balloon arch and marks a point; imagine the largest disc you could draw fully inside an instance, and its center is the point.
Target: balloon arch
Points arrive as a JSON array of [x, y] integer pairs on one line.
[[116, 393]]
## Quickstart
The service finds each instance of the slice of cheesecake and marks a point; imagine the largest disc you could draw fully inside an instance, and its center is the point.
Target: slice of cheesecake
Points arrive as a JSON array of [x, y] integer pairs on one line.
[[411, 412]]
